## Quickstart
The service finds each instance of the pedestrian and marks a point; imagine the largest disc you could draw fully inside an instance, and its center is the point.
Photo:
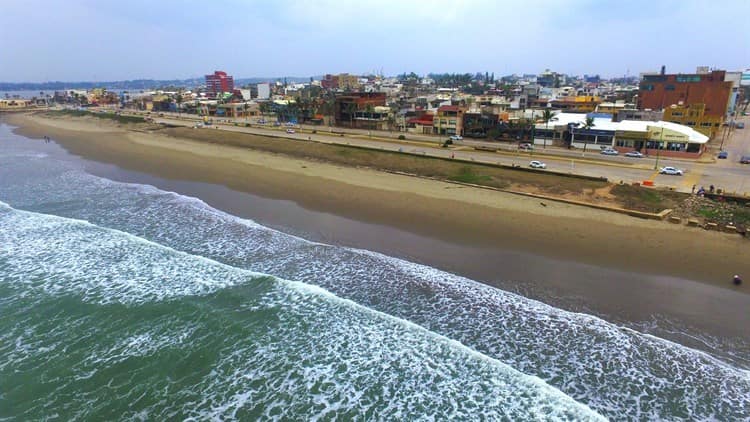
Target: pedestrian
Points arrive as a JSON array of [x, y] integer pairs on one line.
[[711, 189], [453, 155], [693, 190], [736, 280]]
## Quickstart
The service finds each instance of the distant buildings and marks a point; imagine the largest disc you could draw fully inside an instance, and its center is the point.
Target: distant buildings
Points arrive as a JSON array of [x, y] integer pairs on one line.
[[342, 81], [219, 82]]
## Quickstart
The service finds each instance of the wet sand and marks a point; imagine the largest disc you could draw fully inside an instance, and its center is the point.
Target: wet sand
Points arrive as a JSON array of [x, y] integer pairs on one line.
[[622, 268]]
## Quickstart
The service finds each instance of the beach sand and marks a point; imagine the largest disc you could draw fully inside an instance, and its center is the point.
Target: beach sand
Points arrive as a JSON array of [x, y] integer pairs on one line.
[[590, 260]]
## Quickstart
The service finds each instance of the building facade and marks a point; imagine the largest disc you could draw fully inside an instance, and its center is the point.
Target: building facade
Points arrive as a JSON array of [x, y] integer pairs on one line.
[[657, 92], [694, 116], [449, 120], [348, 107], [219, 82]]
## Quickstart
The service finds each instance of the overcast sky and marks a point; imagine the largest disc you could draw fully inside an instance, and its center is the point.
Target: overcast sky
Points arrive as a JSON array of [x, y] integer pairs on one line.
[[75, 40]]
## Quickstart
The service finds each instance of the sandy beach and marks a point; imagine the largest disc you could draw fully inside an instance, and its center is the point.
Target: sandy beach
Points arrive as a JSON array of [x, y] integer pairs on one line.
[[606, 263]]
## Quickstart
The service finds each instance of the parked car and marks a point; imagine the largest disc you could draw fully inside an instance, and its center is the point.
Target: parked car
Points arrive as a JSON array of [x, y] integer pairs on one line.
[[672, 171], [289, 124], [290, 131], [609, 151], [745, 159], [634, 154], [456, 138], [526, 146], [740, 125], [537, 165], [722, 155]]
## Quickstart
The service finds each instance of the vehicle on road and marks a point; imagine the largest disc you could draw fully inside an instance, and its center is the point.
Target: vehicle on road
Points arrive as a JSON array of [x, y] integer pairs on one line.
[[740, 125], [537, 165], [723, 155], [526, 146], [262, 121], [456, 138], [290, 131], [745, 159], [634, 154], [609, 151], [672, 171]]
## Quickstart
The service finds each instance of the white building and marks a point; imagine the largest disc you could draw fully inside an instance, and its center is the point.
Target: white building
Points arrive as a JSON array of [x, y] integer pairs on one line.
[[264, 91]]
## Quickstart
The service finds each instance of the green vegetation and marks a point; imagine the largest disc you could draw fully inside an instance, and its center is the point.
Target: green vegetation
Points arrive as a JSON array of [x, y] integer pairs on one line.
[[466, 175], [647, 199], [112, 116]]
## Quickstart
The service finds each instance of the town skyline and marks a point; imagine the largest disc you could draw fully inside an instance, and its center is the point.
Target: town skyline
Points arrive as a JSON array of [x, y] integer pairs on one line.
[[94, 41]]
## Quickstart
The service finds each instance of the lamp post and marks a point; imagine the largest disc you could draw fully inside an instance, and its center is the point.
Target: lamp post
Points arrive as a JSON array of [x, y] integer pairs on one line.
[[658, 147]]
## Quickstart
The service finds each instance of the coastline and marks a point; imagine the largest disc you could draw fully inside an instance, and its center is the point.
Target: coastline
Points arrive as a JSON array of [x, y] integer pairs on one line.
[[486, 235]]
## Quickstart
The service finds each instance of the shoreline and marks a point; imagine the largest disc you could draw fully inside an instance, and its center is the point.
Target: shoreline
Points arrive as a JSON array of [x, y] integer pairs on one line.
[[557, 249]]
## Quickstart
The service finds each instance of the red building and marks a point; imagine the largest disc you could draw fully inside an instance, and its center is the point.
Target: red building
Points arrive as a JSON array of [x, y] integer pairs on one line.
[[658, 92], [348, 107], [219, 82]]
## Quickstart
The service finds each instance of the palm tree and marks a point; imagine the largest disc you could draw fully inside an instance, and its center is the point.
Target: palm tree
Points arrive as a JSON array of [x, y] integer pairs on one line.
[[178, 99], [546, 116], [586, 126]]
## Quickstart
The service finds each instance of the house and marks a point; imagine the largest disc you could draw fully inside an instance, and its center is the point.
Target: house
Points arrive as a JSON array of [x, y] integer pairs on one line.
[[449, 120]]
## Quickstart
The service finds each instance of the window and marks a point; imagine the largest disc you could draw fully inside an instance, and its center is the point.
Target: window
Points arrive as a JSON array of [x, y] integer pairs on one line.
[[677, 114], [669, 87], [452, 122], [707, 124], [689, 123], [647, 87]]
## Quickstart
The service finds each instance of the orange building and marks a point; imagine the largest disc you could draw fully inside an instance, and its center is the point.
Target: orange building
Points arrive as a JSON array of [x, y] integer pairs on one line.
[[657, 92]]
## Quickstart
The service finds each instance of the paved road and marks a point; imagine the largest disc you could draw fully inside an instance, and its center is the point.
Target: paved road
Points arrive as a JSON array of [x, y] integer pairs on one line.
[[726, 174]]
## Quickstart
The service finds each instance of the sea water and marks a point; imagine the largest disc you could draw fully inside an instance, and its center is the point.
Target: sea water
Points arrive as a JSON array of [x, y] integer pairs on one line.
[[125, 301]]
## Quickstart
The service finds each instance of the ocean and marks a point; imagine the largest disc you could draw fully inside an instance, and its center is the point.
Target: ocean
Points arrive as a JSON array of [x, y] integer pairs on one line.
[[124, 301]]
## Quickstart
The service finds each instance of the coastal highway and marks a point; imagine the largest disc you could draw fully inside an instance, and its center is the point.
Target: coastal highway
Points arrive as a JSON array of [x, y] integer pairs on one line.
[[728, 174]]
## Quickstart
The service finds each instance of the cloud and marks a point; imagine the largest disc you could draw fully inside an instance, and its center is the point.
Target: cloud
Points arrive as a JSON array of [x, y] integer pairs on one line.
[[88, 39]]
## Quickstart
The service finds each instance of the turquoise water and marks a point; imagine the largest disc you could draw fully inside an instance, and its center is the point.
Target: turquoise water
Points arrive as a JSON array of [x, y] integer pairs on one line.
[[122, 300]]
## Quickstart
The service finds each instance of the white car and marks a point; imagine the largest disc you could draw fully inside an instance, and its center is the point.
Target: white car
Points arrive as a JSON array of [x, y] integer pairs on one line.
[[609, 151], [537, 165], [671, 171], [290, 131], [456, 138], [634, 154]]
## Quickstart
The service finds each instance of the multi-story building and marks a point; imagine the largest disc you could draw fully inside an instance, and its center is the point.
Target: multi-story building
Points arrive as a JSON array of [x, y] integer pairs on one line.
[[219, 82], [343, 81], [659, 91], [348, 108], [449, 120], [694, 116]]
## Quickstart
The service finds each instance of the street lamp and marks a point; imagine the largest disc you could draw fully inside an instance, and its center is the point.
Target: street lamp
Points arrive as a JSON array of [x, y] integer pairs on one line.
[[658, 147]]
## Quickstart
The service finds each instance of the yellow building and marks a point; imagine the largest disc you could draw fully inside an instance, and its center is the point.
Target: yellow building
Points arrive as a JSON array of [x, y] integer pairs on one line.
[[694, 116], [577, 104], [449, 120], [348, 82], [15, 104]]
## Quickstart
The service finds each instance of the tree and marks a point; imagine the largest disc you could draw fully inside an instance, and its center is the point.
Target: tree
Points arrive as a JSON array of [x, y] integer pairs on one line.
[[546, 116], [586, 126], [245, 107], [179, 100]]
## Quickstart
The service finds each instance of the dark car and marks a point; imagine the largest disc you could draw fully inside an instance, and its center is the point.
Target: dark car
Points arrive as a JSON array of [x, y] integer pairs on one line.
[[722, 155], [745, 159]]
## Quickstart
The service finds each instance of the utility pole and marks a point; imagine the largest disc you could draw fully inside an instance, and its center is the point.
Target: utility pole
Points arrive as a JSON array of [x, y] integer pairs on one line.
[[658, 148]]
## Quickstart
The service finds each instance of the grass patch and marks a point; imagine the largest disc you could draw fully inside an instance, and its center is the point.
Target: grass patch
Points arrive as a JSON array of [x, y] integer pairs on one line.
[[646, 199], [111, 116], [467, 175]]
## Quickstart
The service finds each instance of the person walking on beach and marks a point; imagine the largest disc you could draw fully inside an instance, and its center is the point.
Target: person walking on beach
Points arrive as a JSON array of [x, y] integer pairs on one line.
[[693, 190]]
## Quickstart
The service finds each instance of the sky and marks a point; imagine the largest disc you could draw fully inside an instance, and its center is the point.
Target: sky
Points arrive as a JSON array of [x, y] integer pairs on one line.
[[92, 40]]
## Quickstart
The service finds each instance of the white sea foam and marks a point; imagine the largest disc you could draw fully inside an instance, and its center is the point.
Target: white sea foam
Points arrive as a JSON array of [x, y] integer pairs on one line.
[[343, 351]]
